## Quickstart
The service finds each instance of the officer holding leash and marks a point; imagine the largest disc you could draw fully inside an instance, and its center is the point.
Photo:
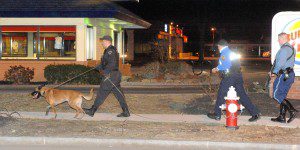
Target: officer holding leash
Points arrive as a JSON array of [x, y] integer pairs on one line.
[[109, 67], [230, 72], [283, 70]]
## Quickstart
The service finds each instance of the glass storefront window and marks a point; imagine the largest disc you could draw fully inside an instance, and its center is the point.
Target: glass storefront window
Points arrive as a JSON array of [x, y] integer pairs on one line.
[[22, 41], [14, 44], [56, 44], [70, 44]]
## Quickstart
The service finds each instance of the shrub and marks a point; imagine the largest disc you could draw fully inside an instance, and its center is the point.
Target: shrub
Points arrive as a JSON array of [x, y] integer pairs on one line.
[[19, 74], [61, 73], [151, 70], [175, 67]]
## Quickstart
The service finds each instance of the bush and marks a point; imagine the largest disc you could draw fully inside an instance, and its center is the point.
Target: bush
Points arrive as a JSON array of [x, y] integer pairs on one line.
[[151, 70], [61, 73], [19, 75], [175, 67]]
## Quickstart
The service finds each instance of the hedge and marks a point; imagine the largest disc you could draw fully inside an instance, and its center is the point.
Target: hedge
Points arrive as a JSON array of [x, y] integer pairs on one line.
[[60, 73]]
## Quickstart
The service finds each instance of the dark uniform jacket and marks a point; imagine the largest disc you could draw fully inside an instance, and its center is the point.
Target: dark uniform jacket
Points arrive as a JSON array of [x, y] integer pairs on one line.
[[110, 67]]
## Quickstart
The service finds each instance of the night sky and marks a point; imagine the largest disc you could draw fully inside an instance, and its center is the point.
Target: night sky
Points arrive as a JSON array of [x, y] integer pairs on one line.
[[234, 19]]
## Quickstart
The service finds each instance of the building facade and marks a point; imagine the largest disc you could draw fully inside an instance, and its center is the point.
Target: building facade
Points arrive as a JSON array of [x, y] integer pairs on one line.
[[39, 33]]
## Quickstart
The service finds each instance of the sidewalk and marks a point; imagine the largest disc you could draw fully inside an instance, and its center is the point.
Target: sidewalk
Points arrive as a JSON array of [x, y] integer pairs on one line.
[[163, 118], [96, 143]]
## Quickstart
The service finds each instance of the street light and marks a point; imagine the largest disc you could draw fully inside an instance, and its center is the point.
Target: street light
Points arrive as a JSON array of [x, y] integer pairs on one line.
[[213, 30]]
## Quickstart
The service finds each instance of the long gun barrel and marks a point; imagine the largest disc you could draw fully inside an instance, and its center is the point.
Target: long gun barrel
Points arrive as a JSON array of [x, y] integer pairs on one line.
[[269, 77]]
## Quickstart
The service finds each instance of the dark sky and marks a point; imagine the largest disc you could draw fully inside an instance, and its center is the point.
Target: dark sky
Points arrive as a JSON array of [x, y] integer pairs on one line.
[[213, 10], [234, 19]]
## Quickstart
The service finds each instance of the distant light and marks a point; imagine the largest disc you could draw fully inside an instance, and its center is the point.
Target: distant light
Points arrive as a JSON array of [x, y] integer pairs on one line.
[[166, 28], [213, 29], [123, 56], [171, 23], [113, 20]]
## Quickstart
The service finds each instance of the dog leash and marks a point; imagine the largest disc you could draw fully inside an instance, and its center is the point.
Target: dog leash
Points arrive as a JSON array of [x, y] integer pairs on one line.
[[131, 111], [74, 77], [108, 79]]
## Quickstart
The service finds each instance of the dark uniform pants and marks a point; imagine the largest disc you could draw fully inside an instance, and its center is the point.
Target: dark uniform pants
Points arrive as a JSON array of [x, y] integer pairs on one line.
[[235, 80], [106, 87], [281, 87]]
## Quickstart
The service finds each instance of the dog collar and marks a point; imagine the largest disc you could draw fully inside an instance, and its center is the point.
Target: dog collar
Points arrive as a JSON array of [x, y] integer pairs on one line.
[[38, 94]]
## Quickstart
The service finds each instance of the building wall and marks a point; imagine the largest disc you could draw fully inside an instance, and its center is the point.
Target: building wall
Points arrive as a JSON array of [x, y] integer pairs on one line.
[[38, 66], [100, 28]]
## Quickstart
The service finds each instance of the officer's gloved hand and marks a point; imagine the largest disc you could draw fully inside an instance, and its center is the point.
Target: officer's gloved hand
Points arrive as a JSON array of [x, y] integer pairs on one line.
[[272, 74], [101, 72], [104, 73], [214, 70]]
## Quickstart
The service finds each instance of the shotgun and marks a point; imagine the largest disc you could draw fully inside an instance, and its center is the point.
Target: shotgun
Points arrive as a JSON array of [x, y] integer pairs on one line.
[[269, 77]]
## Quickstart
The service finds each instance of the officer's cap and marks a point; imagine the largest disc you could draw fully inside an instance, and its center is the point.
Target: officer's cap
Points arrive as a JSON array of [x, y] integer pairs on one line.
[[107, 38], [222, 42]]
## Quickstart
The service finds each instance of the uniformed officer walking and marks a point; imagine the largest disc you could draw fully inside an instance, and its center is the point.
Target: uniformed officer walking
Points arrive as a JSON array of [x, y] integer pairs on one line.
[[230, 72], [284, 63], [109, 67]]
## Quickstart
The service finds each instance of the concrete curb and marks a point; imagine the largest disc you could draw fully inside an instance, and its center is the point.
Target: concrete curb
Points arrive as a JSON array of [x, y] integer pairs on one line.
[[94, 141]]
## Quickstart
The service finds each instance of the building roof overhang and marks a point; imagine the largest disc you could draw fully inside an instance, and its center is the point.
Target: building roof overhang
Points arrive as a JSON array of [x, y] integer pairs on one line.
[[70, 9]]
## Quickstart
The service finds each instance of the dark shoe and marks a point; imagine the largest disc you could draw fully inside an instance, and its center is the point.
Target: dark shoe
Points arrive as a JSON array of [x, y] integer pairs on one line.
[[292, 111], [281, 118], [123, 114], [90, 111], [213, 116], [254, 118]]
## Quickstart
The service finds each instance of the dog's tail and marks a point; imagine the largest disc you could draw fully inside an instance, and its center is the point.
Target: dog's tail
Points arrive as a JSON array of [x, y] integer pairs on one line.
[[90, 96]]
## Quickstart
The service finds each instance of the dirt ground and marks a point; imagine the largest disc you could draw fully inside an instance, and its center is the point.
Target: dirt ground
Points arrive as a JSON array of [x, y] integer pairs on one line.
[[142, 130], [141, 104], [145, 104]]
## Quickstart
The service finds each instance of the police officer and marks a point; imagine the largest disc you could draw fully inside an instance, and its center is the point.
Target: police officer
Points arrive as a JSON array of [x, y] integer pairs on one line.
[[109, 67], [230, 72], [284, 63]]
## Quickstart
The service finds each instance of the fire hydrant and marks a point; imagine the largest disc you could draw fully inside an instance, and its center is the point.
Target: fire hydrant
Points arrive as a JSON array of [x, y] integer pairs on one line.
[[232, 107]]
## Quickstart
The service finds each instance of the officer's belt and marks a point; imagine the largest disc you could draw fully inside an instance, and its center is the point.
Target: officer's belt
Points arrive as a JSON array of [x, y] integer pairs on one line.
[[287, 70], [228, 73]]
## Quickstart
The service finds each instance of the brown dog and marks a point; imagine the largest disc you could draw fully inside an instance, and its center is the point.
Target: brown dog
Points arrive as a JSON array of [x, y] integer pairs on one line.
[[55, 97]]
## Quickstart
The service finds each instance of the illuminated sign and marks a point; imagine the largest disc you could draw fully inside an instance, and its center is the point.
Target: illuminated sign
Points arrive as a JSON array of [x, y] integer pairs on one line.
[[293, 29], [166, 27], [288, 22]]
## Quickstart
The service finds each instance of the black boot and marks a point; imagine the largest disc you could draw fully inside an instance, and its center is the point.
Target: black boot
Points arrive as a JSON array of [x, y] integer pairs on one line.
[[291, 110], [281, 117], [125, 112], [90, 111]]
